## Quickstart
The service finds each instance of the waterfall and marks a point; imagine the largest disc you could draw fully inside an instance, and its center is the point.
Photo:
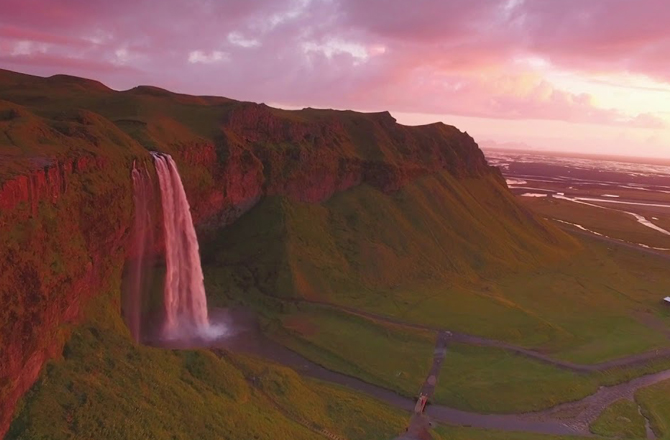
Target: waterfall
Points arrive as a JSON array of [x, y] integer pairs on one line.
[[137, 278], [184, 295]]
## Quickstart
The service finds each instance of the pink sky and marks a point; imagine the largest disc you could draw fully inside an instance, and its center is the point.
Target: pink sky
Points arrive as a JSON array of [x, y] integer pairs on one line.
[[588, 76]]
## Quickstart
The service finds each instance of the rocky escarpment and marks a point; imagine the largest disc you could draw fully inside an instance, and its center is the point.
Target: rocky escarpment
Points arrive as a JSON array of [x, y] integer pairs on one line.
[[315, 154], [46, 183], [62, 229], [65, 215]]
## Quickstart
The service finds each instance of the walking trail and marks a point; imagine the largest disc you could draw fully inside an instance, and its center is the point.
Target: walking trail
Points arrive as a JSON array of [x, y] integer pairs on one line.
[[571, 418]]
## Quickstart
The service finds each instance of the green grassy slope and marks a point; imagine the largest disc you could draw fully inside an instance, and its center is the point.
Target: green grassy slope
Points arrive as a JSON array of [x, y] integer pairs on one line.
[[449, 254], [602, 304], [362, 246], [622, 419], [436, 229], [461, 433], [394, 358], [104, 386], [655, 402]]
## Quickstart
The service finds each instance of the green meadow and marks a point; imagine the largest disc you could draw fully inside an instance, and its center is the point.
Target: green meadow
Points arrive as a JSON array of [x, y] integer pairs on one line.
[[584, 301], [655, 403], [610, 222], [472, 378], [622, 419], [463, 433]]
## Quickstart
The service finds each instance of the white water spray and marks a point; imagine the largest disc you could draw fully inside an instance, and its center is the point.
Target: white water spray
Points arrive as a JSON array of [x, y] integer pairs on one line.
[[184, 295]]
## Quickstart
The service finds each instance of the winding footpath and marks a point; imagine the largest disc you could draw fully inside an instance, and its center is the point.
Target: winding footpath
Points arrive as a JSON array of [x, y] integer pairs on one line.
[[420, 425], [464, 338], [571, 418]]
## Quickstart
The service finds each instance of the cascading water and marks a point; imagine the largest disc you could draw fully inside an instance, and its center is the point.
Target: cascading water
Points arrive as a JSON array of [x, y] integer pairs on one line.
[[139, 269], [184, 295]]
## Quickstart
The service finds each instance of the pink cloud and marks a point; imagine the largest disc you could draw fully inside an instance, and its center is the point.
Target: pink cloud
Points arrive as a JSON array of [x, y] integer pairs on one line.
[[435, 56], [64, 64], [22, 34], [423, 20], [605, 35], [647, 120]]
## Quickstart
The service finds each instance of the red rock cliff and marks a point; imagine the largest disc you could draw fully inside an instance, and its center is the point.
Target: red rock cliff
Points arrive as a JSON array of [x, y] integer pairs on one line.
[[62, 238], [314, 154]]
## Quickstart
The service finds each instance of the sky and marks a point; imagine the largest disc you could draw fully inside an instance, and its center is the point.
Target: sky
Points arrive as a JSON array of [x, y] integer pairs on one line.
[[571, 75]]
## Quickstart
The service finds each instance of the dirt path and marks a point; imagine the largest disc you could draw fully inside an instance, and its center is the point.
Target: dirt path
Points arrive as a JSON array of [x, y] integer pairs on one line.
[[628, 361], [565, 419], [419, 424]]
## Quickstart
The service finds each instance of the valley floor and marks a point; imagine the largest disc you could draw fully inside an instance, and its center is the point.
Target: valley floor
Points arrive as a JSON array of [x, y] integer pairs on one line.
[[552, 349]]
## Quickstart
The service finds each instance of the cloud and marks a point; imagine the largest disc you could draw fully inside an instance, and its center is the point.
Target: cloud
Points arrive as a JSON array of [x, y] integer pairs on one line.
[[477, 58], [647, 120], [199, 56], [13, 33], [37, 63], [237, 39], [335, 47], [27, 48]]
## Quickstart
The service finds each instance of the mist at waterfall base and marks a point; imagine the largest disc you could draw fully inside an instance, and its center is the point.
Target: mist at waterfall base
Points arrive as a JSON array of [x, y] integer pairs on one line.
[[184, 318]]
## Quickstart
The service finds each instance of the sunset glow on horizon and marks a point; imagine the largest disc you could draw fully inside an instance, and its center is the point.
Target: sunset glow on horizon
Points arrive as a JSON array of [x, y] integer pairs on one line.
[[591, 77]]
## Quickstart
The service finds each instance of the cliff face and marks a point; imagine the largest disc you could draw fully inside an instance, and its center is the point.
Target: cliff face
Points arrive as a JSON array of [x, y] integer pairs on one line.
[[62, 230], [66, 195], [310, 155], [47, 183]]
